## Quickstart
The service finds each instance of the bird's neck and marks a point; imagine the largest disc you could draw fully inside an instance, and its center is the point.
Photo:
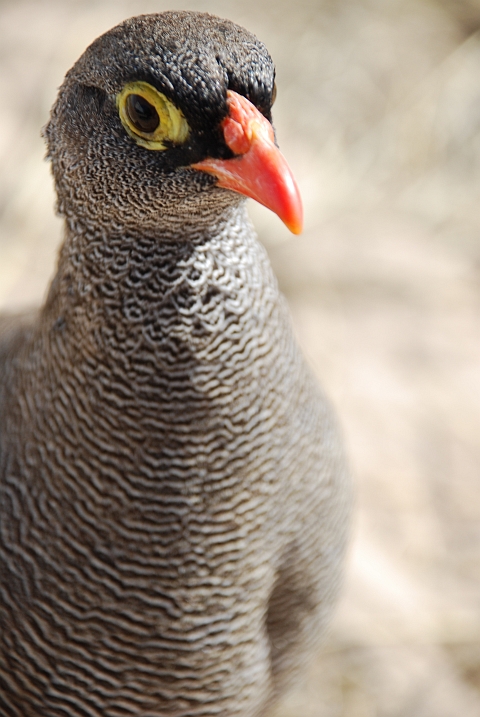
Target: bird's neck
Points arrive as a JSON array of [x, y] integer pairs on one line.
[[156, 301], [154, 358], [156, 291]]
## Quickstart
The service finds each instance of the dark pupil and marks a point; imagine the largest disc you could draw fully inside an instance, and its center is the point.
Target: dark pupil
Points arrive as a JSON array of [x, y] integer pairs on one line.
[[142, 114]]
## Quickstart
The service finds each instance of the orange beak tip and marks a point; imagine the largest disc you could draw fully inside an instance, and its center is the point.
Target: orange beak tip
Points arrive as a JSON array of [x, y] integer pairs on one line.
[[295, 227]]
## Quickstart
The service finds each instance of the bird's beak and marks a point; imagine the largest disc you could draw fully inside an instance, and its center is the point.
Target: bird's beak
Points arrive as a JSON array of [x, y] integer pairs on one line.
[[258, 170]]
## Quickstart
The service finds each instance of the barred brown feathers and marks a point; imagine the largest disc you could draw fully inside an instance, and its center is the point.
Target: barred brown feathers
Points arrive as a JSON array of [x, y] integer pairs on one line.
[[173, 495]]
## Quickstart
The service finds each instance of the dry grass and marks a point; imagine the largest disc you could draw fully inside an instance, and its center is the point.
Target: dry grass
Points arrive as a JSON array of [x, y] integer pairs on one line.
[[379, 114]]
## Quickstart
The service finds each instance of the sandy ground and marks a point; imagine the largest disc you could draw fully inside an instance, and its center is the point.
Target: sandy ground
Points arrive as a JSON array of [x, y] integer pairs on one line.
[[378, 112]]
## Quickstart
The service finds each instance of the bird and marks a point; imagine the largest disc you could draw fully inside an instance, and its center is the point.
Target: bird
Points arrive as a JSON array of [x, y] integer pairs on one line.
[[175, 498]]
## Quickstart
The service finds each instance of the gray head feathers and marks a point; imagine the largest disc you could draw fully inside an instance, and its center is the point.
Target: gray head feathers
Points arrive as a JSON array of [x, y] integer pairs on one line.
[[193, 59]]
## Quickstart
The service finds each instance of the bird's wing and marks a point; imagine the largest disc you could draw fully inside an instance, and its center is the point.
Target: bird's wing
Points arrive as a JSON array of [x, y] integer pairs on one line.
[[14, 330]]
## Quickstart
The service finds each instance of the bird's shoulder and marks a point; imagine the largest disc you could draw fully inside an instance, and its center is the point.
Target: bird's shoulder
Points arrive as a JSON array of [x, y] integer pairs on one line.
[[15, 331]]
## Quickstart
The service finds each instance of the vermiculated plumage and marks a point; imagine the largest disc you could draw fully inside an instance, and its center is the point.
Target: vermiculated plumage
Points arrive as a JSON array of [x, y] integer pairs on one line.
[[173, 494]]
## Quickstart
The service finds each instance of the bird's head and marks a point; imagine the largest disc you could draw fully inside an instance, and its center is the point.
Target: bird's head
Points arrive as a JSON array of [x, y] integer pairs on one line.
[[159, 116]]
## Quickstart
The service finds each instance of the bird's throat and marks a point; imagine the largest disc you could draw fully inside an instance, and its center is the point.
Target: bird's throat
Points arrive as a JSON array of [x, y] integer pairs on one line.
[[162, 330]]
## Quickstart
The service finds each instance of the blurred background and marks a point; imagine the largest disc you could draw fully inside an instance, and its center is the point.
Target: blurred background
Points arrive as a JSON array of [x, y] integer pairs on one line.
[[378, 113]]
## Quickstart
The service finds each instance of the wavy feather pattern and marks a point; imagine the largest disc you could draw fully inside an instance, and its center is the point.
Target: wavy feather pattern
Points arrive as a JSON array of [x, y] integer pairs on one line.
[[173, 496]]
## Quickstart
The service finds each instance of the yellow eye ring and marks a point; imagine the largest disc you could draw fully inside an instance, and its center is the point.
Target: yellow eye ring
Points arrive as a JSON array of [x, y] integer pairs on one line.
[[149, 117]]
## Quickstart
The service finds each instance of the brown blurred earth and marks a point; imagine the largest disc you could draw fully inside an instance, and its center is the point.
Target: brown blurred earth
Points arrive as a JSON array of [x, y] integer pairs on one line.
[[378, 112]]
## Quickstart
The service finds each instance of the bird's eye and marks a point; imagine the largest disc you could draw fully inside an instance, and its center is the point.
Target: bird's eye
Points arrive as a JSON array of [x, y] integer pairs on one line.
[[142, 114], [150, 118]]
